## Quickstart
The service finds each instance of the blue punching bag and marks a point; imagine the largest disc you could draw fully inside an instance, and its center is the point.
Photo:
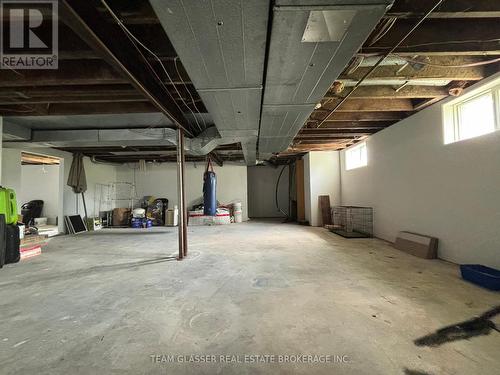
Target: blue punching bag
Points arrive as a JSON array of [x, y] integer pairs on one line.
[[209, 193]]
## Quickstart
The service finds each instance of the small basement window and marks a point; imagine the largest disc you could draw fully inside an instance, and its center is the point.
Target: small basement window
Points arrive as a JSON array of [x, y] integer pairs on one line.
[[473, 115], [356, 157]]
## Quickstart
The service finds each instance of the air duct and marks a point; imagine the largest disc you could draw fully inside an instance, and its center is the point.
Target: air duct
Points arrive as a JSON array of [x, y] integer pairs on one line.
[[222, 46], [201, 145], [311, 43]]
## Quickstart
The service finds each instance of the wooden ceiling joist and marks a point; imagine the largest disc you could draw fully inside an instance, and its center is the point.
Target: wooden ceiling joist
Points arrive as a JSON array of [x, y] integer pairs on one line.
[[36, 159], [121, 52], [361, 116], [449, 9], [60, 99], [455, 36], [474, 73], [76, 109], [327, 129], [390, 92], [340, 125], [457, 45], [366, 105]]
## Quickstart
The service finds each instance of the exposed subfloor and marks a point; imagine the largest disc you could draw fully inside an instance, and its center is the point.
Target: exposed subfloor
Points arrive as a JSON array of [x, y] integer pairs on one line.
[[110, 302]]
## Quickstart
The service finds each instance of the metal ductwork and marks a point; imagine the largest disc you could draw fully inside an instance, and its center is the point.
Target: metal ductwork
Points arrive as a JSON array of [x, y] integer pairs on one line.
[[203, 144], [311, 43], [222, 45]]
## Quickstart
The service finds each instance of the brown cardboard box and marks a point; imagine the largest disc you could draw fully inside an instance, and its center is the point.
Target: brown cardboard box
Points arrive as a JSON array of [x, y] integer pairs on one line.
[[417, 244], [121, 217]]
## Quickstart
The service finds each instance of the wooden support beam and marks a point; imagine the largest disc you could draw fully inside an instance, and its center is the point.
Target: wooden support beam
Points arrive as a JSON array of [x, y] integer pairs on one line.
[[329, 138], [69, 73], [425, 103], [29, 158], [76, 109], [312, 140], [83, 93], [159, 158], [84, 90], [96, 98], [92, 72], [449, 9], [328, 130], [121, 52], [426, 72], [346, 125], [360, 116], [325, 146], [366, 105], [389, 92], [139, 13], [457, 36], [61, 99]]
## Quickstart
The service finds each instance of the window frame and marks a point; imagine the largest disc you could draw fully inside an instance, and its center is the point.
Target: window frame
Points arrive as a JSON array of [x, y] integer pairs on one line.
[[350, 150], [451, 112]]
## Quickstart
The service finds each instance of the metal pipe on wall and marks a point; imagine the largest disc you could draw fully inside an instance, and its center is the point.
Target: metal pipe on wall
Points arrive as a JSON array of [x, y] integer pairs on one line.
[[181, 196]]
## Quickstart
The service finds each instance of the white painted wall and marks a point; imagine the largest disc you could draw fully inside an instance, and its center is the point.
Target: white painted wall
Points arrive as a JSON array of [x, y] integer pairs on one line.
[[40, 182], [416, 183], [160, 180], [11, 169], [307, 187], [321, 177], [69, 202], [96, 174], [262, 191]]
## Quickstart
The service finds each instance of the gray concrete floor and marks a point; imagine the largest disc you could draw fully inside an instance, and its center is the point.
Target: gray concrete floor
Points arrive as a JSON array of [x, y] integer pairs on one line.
[[106, 302]]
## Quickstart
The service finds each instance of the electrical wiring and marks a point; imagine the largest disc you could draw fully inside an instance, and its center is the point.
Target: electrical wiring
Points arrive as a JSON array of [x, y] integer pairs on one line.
[[155, 73], [448, 42], [386, 27], [439, 43], [189, 92], [370, 71], [479, 63], [134, 38]]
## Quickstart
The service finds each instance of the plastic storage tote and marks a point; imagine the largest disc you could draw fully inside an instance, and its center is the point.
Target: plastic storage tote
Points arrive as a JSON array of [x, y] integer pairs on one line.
[[478, 274], [8, 205]]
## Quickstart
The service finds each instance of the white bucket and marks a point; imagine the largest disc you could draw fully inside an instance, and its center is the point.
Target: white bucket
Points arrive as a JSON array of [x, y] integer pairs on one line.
[[238, 212], [39, 221], [172, 217], [139, 212]]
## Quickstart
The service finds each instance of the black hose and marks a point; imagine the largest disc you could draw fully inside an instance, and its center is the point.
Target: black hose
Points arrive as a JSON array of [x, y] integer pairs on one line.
[[276, 196]]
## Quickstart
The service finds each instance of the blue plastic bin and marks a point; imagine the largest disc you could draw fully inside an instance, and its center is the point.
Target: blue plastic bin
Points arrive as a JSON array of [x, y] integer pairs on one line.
[[478, 274]]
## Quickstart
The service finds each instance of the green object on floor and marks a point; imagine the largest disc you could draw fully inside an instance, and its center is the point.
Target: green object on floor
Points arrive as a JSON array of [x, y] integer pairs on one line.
[[8, 205]]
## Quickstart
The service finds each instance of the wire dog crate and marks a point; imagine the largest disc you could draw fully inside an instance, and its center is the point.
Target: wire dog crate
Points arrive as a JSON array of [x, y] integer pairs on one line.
[[352, 221]]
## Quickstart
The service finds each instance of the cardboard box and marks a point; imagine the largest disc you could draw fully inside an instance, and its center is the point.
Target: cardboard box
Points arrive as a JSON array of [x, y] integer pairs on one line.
[[417, 244], [121, 217]]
